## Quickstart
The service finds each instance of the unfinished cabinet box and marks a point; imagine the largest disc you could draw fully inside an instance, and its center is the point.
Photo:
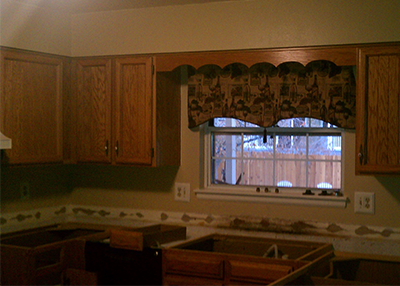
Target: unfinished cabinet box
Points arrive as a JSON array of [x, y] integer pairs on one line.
[[312, 280], [40, 257], [235, 260], [371, 270], [149, 236], [132, 256]]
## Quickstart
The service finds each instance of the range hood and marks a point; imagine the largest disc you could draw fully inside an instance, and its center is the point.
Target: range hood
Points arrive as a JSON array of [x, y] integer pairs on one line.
[[5, 142]]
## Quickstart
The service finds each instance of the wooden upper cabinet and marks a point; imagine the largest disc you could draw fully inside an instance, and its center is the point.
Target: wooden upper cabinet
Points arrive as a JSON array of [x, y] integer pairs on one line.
[[378, 110], [133, 113], [116, 108], [93, 113], [31, 106]]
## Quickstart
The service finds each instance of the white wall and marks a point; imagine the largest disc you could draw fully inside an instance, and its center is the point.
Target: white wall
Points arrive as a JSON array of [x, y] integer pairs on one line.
[[236, 25], [29, 27]]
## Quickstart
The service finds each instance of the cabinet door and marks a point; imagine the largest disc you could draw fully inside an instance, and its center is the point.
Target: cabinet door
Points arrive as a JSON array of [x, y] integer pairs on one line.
[[93, 122], [31, 107], [133, 111], [250, 272], [378, 110]]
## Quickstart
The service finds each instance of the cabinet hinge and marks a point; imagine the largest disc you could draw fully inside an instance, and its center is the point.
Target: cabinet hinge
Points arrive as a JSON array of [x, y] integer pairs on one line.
[[152, 69]]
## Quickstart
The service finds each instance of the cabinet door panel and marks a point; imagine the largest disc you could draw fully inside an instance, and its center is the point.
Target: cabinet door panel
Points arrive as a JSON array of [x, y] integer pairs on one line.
[[190, 263], [93, 110], [31, 107], [378, 111], [257, 272], [133, 111]]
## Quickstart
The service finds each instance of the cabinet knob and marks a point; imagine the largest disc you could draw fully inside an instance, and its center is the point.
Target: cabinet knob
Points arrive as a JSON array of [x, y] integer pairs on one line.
[[361, 155], [106, 147]]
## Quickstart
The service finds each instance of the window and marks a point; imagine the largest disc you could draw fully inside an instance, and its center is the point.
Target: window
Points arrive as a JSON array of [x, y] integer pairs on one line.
[[298, 156]]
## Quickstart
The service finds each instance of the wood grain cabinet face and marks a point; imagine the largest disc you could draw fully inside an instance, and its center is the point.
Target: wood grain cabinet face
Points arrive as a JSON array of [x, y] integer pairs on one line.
[[93, 120], [190, 280], [378, 111], [114, 110], [133, 111], [31, 106]]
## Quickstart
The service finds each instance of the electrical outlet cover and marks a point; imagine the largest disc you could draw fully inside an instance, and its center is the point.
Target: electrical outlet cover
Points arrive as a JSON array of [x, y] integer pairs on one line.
[[364, 202], [182, 192]]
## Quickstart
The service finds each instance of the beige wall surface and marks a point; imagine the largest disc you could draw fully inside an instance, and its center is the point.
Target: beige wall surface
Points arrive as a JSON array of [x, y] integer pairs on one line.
[[31, 28], [237, 25], [218, 26]]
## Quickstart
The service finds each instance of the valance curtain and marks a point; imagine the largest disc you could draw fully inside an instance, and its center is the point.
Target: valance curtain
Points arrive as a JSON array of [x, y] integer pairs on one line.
[[264, 94]]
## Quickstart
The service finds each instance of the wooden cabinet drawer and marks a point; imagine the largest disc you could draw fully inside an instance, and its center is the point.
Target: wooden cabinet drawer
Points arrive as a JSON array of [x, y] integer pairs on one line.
[[253, 271], [195, 264], [189, 280]]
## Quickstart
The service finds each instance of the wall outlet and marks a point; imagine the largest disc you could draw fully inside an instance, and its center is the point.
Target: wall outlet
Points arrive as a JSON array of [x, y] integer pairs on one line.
[[364, 203], [25, 190], [182, 192]]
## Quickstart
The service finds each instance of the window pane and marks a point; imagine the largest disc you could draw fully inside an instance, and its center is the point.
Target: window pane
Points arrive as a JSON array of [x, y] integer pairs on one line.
[[226, 171], [291, 147], [293, 122], [325, 147], [227, 145], [258, 172], [254, 147], [291, 171], [324, 172]]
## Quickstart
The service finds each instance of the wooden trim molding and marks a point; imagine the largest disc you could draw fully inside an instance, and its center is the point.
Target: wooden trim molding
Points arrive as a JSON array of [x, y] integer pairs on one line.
[[340, 55]]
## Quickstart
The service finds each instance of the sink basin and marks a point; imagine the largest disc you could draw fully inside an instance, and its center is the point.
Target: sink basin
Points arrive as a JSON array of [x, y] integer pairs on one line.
[[261, 247]]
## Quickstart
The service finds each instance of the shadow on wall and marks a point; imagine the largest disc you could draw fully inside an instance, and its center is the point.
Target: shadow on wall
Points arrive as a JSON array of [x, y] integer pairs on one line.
[[55, 180], [159, 179], [392, 184], [31, 182]]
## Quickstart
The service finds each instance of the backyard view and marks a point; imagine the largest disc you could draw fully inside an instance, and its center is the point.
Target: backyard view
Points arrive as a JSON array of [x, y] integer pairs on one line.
[[298, 152]]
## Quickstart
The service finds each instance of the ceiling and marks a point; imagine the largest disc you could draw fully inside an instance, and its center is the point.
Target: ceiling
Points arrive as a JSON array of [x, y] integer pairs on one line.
[[85, 6]]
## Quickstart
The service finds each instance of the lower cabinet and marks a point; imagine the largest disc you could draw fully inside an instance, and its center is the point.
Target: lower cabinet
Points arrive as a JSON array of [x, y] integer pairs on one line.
[[172, 279], [114, 266], [41, 257], [252, 272], [182, 267]]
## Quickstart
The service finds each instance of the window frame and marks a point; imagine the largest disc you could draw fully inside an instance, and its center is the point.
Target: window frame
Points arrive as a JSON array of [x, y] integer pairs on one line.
[[284, 195]]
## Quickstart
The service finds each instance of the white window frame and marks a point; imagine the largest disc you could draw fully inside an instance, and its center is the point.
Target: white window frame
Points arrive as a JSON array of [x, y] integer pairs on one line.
[[253, 194]]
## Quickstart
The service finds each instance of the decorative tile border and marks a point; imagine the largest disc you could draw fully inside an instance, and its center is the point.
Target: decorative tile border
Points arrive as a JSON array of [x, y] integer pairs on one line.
[[346, 238]]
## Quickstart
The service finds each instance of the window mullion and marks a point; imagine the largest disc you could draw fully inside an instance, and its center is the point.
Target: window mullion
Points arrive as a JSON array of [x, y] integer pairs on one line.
[[274, 161], [307, 159]]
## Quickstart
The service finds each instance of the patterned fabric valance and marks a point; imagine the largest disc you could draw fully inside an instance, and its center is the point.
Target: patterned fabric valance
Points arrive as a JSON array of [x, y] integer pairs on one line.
[[264, 94]]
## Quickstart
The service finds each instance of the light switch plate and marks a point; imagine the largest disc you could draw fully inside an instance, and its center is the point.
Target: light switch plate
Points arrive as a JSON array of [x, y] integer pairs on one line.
[[364, 202], [182, 192]]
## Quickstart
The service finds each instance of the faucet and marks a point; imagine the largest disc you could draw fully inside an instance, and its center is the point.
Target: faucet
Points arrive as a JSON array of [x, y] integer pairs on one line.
[[273, 247]]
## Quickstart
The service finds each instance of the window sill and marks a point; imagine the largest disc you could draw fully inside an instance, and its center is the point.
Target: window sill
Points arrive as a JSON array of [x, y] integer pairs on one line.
[[223, 194]]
